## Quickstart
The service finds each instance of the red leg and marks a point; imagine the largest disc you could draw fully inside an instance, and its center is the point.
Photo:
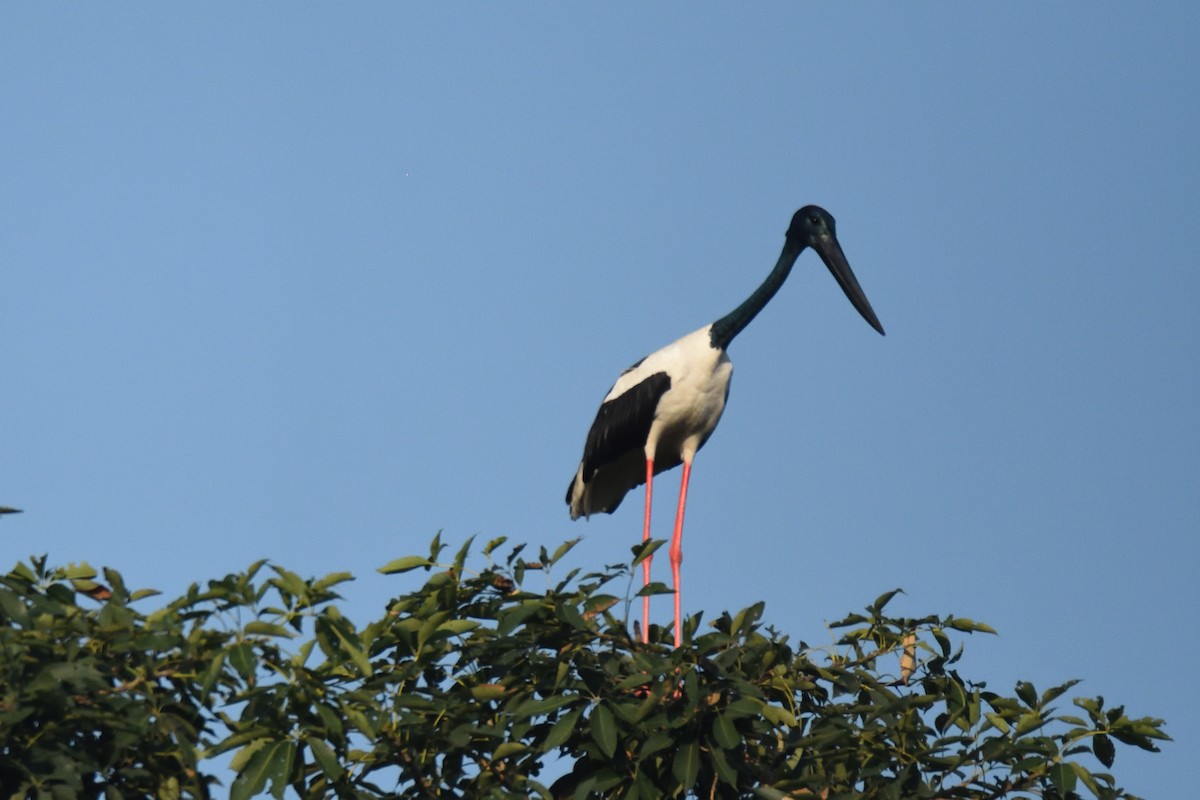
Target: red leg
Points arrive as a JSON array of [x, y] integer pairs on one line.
[[677, 549], [646, 563]]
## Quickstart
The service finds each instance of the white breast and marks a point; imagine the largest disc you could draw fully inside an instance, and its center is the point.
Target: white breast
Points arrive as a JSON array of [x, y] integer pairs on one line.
[[689, 412]]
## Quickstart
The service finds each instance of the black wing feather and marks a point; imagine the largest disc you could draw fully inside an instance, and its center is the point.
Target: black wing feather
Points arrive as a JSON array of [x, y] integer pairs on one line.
[[622, 424]]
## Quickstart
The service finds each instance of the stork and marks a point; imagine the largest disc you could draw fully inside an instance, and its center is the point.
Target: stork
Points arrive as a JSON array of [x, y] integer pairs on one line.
[[663, 408]]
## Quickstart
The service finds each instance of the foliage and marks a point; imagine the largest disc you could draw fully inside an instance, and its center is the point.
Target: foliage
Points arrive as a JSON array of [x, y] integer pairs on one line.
[[473, 685]]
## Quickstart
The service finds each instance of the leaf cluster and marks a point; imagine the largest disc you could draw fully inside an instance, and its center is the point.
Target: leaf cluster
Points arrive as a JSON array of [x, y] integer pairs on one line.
[[474, 685]]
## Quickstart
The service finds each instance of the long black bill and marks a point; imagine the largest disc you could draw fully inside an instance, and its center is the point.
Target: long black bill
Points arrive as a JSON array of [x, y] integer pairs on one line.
[[831, 253]]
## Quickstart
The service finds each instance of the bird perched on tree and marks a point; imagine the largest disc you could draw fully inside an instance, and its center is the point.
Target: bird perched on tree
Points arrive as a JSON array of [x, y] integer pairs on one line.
[[663, 408]]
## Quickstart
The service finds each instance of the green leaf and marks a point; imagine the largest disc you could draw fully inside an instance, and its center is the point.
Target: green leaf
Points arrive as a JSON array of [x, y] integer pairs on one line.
[[1063, 777], [280, 767], [743, 707], [334, 727], [659, 740], [654, 587], [332, 579], [1030, 722], [212, 672], [489, 691], [13, 608], [534, 708], [359, 720], [876, 608], [509, 748], [405, 564], [1105, 750], [1055, 692], [569, 614], [968, 625], [354, 650], [562, 550], [725, 732], [769, 793], [82, 570], [725, 771], [511, 619], [561, 730], [686, 766], [643, 550], [997, 721], [241, 656], [325, 757], [460, 558], [252, 778], [457, 626], [1089, 780], [261, 628], [747, 618], [779, 716], [604, 730]]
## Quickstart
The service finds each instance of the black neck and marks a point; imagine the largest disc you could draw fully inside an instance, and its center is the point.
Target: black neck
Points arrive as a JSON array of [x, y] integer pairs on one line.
[[730, 325]]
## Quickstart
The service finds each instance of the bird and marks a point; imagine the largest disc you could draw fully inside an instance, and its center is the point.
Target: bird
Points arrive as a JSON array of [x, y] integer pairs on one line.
[[663, 408]]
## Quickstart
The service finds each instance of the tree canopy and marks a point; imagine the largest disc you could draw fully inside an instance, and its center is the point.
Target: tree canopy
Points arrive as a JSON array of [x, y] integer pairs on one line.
[[473, 685]]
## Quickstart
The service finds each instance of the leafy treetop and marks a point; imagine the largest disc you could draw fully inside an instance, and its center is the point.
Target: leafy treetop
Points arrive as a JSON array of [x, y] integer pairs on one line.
[[474, 686]]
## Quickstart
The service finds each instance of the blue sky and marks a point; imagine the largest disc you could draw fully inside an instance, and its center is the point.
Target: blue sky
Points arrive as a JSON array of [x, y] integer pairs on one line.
[[312, 283]]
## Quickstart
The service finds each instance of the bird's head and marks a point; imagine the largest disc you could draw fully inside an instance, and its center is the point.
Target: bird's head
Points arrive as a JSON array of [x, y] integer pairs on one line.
[[810, 223], [813, 226]]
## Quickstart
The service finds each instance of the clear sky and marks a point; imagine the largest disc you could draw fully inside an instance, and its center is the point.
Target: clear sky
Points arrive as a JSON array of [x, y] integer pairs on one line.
[[312, 282]]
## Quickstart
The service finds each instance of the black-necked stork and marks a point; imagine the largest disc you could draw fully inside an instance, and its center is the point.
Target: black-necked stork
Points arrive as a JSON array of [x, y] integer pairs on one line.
[[663, 408]]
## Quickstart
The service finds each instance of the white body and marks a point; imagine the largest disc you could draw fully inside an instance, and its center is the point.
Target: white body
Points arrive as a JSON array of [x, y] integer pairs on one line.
[[682, 419]]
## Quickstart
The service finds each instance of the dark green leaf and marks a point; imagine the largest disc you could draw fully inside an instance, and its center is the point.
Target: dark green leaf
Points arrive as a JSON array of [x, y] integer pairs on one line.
[[533, 708], [562, 550], [604, 730], [569, 614], [968, 625], [654, 588], [877, 607], [724, 770], [1104, 749], [561, 730], [493, 544], [725, 733], [507, 749], [1063, 777], [643, 550], [268, 629], [686, 765], [332, 579], [489, 691], [324, 756], [460, 558], [1089, 780], [280, 767], [659, 740], [405, 564], [252, 777], [241, 656], [511, 619]]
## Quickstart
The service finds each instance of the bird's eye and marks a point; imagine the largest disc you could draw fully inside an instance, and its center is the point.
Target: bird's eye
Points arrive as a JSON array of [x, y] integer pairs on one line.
[[814, 220]]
